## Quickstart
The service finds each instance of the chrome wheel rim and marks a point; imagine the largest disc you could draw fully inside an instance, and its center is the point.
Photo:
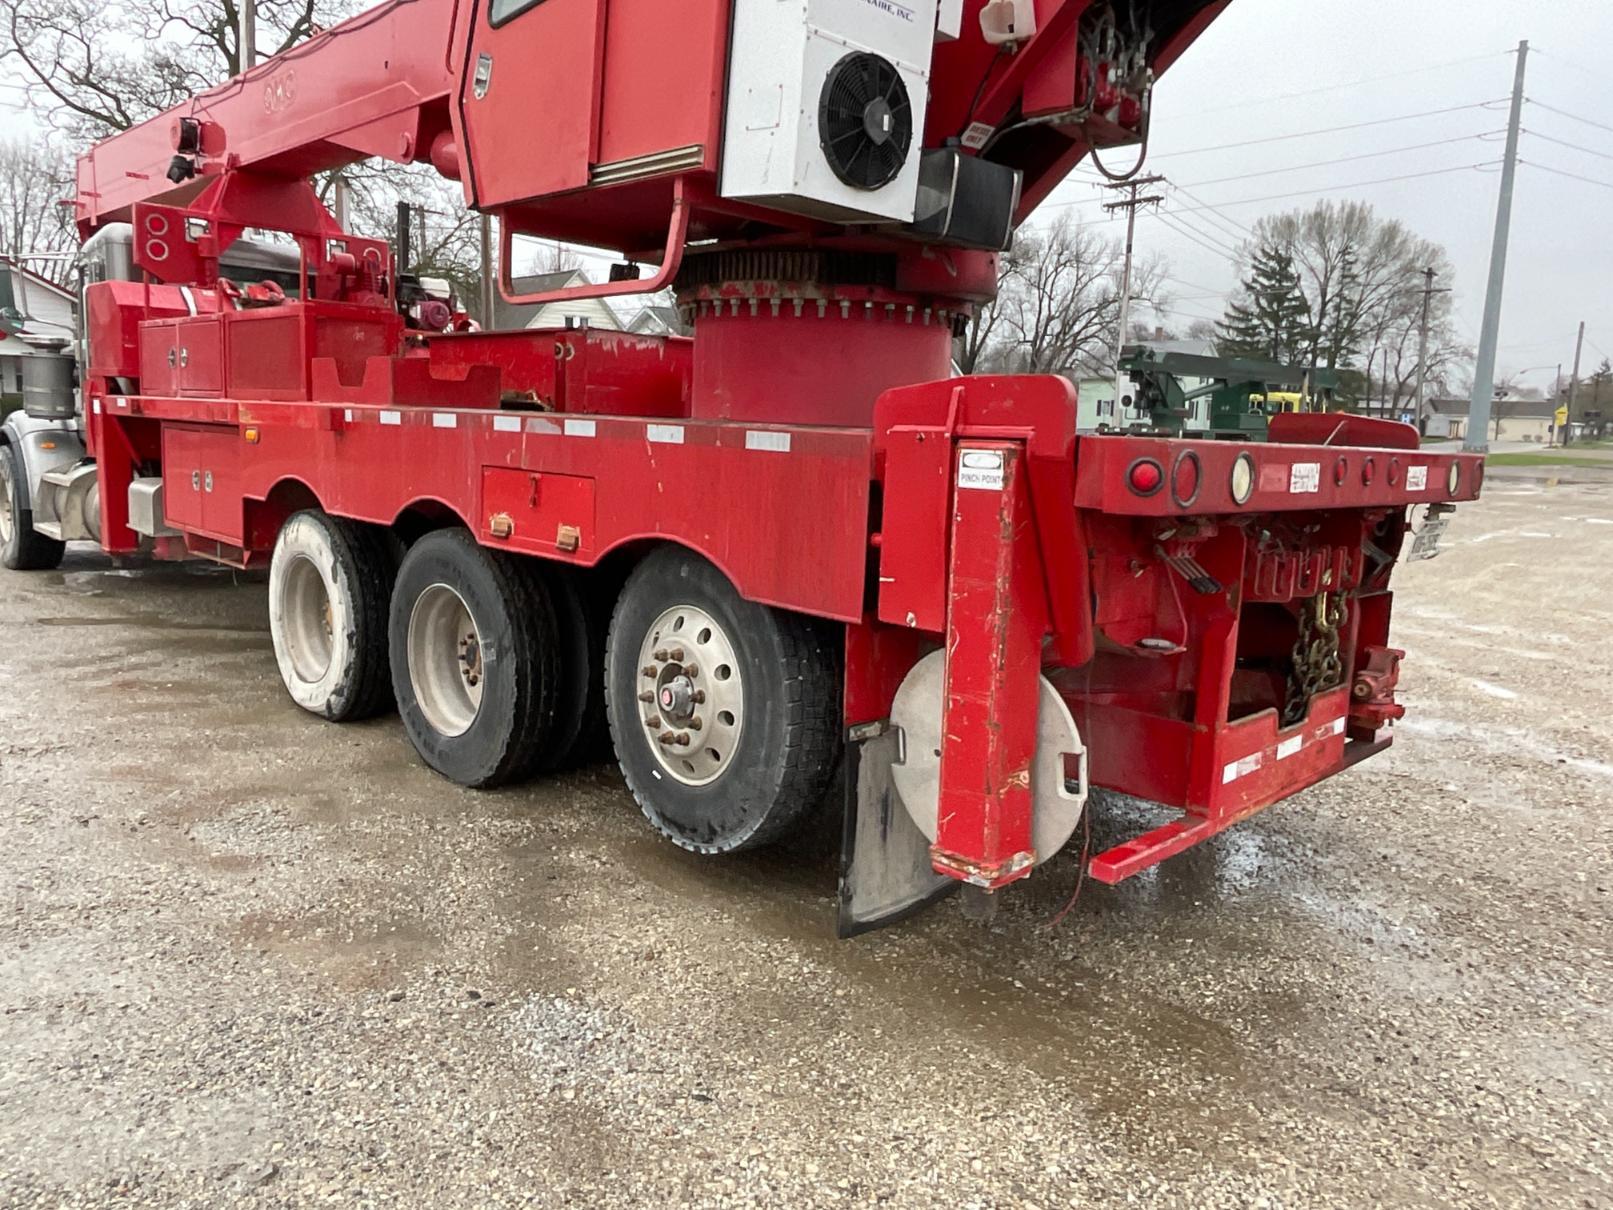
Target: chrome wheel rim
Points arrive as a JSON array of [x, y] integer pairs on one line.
[[309, 625], [445, 660], [691, 696], [7, 521]]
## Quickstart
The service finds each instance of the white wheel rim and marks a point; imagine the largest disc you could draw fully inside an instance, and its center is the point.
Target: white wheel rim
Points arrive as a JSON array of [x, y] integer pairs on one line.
[[445, 660], [7, 522], [691, 697], [308, 620]]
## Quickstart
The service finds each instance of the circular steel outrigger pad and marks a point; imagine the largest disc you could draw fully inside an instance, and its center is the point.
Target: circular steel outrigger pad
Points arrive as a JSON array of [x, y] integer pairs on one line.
[[916, 717]]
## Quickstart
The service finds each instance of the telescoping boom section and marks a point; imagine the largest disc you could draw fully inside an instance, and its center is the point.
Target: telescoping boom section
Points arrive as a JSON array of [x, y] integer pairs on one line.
[[786, 563]]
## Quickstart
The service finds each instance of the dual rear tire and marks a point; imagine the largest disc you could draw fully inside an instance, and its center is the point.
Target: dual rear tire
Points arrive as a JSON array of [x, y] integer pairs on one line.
[[724, 714]]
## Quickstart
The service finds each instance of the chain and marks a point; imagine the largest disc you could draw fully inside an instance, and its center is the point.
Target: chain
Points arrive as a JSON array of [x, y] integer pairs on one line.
[[1318, 663]]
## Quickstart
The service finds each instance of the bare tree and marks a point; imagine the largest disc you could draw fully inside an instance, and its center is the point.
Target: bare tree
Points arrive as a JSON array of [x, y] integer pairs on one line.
[[97, 68], [34, 177], [1059, 301], [1360, 281]]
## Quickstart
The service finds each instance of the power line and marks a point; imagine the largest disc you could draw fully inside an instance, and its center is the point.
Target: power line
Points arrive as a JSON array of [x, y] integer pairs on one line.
[[1219, 250], [1589, 180], [1273, 197], [1210, 231], [1551, 54], [1563, 113], [1395, 75], [1343, 159], [1222, 222], [1305, 134], [1535, 134]]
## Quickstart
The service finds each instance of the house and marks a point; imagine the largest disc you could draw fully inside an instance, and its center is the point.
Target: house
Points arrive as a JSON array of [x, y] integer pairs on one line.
[[657, 319], [1510, 420], [590, 312], [1095, 397], [32, 309]]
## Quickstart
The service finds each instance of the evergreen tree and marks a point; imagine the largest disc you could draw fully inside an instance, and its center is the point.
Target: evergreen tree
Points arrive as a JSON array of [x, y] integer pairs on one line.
[[1272, 324]]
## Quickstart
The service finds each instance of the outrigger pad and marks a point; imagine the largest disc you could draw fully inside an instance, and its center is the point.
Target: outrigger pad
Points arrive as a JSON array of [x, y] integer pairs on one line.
[[885, 871]]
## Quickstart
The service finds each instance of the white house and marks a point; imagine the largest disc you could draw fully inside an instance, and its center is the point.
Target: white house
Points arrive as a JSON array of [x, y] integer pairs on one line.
[[34, 307], [594, 312]]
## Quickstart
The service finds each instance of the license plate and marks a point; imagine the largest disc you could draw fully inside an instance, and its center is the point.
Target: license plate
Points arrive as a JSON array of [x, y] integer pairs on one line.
[[1426, 543]]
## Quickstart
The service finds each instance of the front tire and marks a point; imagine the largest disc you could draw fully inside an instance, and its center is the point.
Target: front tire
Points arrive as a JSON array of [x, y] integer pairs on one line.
[[725, 713], [475, 659], [330, 585], [22, 547]]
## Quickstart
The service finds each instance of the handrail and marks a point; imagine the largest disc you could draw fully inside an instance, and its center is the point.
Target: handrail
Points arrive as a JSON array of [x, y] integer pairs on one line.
[[676, 240]]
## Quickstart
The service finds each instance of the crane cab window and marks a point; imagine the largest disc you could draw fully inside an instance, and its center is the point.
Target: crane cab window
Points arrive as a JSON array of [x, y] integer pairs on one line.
[[500, 11]]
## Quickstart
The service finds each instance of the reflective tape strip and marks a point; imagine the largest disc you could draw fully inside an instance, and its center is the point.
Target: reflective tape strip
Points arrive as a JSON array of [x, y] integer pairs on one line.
[[580, 428], [347, 415], [1290, 746], [391, 417], [1242, 768], [506, 424], [760, 439], [444, 420], [96, 404], [666, 434]]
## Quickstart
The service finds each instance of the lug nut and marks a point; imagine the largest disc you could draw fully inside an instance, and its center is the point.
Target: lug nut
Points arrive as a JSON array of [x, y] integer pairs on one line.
[[661, 654], [695, 724], [698, 696], [666, 737], [681, 739], [646, 696], [691, 670], [653, 722], [648, 670], [677, 655]]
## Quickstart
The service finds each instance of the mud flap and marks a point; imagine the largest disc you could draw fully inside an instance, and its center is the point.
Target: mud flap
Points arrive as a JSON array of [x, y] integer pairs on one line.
[[885, 872]]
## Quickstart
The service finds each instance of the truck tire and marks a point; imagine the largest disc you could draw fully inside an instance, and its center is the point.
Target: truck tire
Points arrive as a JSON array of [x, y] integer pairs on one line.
[[581, 734], [330, 584], [475, 659], [750, 696], [22, 547]]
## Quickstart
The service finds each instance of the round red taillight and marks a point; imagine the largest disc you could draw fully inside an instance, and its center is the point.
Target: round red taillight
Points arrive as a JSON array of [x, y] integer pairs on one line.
[[1185, 479], [1341, 471], [1369, 471], [1145, 476]]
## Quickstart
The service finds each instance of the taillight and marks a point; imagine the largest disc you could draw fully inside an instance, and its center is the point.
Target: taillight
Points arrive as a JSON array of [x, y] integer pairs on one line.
[[1242, 483], [1369, 471], [1185, 479], [1454, 479], [1145, 476]]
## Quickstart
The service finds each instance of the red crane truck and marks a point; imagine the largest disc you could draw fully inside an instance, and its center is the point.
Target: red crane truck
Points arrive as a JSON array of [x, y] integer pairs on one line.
[[787, 558]]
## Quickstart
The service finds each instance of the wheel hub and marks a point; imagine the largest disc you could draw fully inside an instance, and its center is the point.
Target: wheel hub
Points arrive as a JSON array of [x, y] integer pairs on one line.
[[693, 697], [446, 660], [6, 519]]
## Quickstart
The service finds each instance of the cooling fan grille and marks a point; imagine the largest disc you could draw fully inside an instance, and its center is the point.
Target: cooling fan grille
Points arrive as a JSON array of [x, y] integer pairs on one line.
[[865, 121]]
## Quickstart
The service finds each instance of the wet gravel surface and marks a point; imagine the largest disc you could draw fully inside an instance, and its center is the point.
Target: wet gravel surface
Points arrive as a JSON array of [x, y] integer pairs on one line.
[[250, 958]]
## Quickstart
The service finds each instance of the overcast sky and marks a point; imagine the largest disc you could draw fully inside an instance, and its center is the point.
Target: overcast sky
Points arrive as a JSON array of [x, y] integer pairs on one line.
[[1379, 59], [1267, 68]]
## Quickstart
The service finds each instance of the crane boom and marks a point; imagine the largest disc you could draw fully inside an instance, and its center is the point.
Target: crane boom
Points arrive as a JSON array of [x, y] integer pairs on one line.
[[375, 85]]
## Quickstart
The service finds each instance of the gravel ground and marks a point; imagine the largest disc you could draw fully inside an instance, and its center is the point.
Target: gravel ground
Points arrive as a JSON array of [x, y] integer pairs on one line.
[[250, 958]]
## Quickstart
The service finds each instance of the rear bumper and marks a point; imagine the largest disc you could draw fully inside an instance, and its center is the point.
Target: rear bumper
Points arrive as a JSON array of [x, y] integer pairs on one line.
[[1238, 770]]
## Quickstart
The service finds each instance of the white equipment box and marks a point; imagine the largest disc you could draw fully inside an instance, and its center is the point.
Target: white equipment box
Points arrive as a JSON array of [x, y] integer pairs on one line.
[[826, 102]]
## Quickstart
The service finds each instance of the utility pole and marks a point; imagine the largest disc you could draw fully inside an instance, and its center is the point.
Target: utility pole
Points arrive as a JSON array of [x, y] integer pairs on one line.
[[487, 272], [1573, 382], [1478, 412], [1422, 338], [247, 44], [1129, 204]]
